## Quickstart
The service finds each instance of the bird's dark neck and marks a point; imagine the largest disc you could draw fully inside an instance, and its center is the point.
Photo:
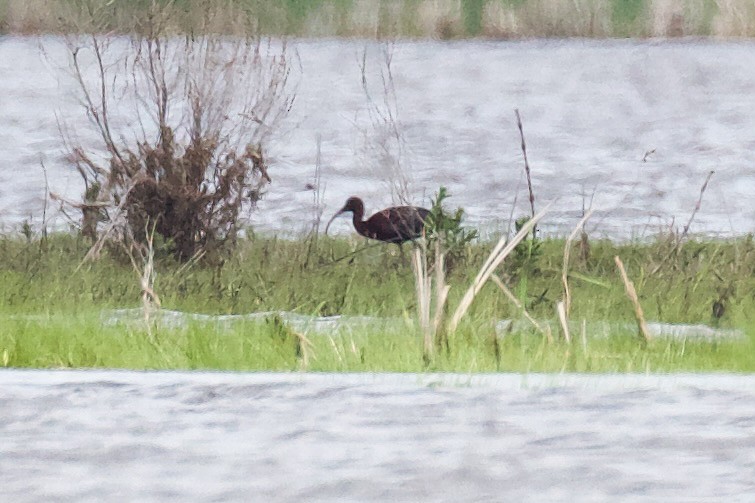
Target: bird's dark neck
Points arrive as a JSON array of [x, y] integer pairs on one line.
[[359, 224]]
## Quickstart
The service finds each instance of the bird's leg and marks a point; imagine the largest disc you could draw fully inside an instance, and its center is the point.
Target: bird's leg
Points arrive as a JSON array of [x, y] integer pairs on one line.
[[391, 260], [386, 260], [404, 260]]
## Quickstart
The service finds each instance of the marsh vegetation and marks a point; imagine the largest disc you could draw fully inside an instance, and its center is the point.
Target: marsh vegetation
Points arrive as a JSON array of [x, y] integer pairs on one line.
[[160, 227], [445, 19], [55, 310]]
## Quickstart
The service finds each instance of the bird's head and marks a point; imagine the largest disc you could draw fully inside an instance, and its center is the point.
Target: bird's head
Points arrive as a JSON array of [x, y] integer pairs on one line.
[[353, 205]]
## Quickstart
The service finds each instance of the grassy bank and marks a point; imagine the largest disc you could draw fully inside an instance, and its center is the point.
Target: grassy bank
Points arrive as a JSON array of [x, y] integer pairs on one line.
[[53, 313], [82, 342], [445, 19]]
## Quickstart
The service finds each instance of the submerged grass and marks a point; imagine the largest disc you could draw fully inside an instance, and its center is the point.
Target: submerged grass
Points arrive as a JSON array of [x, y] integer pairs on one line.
[[53, 309]]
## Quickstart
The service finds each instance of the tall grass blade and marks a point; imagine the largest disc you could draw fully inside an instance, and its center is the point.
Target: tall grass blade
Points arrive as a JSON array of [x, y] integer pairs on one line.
[[632, 294], [498, 255], [565, 269]]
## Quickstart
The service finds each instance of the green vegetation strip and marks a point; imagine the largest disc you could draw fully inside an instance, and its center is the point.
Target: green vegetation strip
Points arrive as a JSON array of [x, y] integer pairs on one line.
[[444, 19], [81, 341], [53, 313]]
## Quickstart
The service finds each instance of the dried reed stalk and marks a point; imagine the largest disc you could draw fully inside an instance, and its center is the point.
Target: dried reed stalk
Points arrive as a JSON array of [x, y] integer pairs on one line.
[[190, 263], [526, 167], [685, 231], [317, 206], [584, 334], [117, 218], [335, 348], [632, 294], [545, 331], [422, 284], [47, 198], [565, 269], [441, 292], [499, 253], [305, 348], [146, 272], [429, 322], [677, 244], [561, 310], [317, 190]]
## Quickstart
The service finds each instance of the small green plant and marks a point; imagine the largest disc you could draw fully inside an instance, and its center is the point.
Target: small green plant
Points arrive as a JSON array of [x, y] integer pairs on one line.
[[525, 256], [446, 227], [27, 231], [522, 266]]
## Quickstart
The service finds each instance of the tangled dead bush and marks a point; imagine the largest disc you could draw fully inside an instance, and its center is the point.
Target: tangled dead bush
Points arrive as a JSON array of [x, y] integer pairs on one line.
[[175, 197], [182, 125]]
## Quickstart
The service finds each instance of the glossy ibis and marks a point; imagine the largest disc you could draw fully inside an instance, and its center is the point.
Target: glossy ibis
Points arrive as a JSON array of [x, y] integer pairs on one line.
[[392, 225]]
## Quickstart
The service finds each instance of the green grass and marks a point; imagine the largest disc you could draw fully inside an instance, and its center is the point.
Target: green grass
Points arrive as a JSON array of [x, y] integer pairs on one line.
[[83, 341], [51, 310]]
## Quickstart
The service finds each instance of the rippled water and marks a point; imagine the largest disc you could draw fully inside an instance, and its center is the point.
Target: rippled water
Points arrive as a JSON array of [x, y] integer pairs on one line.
[[591, 110], [169, 436]]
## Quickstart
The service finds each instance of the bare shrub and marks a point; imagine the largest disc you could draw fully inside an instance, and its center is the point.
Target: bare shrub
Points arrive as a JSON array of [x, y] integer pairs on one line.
[[182, 124], [385, 148]]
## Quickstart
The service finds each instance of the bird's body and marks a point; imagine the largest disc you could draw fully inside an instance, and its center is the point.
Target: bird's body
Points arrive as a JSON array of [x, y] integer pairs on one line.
[[397, 224]]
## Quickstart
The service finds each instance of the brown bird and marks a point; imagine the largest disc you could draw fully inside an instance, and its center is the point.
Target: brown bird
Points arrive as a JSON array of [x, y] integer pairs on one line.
[[397, 224]]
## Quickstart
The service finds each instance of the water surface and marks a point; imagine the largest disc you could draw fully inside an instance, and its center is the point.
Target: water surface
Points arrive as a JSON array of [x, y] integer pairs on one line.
[[172, 436], [591, 111]]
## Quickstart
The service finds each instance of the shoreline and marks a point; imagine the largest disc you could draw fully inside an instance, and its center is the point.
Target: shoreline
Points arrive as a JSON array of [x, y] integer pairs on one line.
[[445, 19]]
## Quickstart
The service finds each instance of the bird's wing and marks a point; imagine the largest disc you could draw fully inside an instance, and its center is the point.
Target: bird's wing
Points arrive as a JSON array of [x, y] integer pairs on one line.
[[407, 219]]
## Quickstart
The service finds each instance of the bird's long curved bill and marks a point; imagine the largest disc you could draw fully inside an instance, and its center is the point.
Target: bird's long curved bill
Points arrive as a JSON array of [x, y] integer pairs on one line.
[[340, 212]]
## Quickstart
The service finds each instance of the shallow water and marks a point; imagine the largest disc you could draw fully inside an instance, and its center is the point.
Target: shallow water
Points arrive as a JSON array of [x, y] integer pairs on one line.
[[591, 110], [359, 326], [171, 436]]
